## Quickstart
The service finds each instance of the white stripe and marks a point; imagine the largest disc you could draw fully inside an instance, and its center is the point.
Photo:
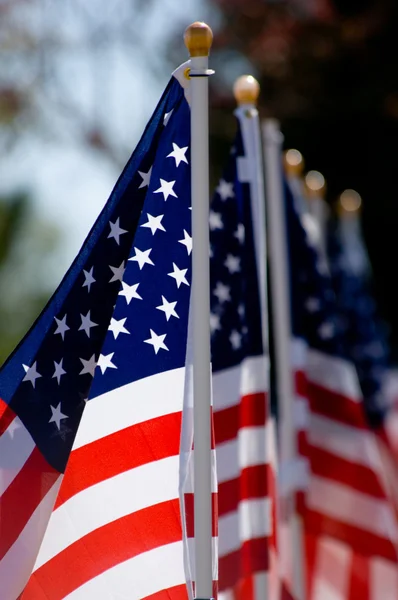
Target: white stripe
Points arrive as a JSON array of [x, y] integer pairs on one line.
[[350, 443], [138, 577], [251, 520], [301, 412], [16, 566], [128, 405], [16, 445], [332, 570], [261, 585], [383, 579], [349, 506], [107, 501], [229, 385], [333, 373], [247, 450]]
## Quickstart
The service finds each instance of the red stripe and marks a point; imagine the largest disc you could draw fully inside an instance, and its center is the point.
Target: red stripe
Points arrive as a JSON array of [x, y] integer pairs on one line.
[[359, 584], [357, 477], [250, 412], [7, 415], [251, 558], [301, 383], [252, 483], [189, 514], [119, 452], [104, 548], [178, 592], [22, 497], [336, 406], [361, 541]]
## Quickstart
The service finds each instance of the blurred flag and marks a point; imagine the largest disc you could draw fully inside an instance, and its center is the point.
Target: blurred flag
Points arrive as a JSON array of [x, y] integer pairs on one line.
[[359, 324], [111, 341], [239, 326], [350, 524]]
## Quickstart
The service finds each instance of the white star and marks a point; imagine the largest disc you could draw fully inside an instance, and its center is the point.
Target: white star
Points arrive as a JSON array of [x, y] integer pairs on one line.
[[167, 116], [87, 323], [178, 154], [222, 292], [117, 327], [142, 257], [118, 272], [326, 330], [146, 178], [187, 242], [241, 310], [31, 374], [240, 233], [215, 221], [88, 366], [89, 278], [157, 341], [313, 305], [61, 326], [214, 322], [59, 371], [129, 292], [232, 263], [166, 188], [154, 223], [105, 362], [225, 189], [179, 275], [236, 340], [116, 231], [168, 308], [57, 415]]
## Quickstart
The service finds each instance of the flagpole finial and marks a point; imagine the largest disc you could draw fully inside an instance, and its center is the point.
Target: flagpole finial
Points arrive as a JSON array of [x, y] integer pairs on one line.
[[198, 38], [294, 162], [246, 90], [315, 184], [349, 203]]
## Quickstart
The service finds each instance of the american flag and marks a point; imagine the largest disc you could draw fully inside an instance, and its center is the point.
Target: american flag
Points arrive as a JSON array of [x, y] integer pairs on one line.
[[351, 529], [112, 341], [240, 363]]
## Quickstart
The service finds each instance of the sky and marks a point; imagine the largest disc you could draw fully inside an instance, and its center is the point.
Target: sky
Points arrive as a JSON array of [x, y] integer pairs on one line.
[[110, 81]]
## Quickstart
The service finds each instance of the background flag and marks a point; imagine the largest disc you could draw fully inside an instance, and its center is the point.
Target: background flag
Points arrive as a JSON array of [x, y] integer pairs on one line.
[[350, 525], [240, 373]]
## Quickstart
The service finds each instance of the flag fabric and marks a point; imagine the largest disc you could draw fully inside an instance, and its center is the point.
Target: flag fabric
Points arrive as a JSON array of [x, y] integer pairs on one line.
[[103, 493], [350, 526], [359, 323], [243, 430]]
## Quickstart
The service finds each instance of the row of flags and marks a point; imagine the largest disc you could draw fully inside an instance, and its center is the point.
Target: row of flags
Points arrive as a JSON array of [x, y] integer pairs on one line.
[[96, 424]]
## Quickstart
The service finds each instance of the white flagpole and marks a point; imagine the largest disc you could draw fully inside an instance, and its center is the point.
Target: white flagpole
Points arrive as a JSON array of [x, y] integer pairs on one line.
[[250, 170], [279, 279], [198, 38]]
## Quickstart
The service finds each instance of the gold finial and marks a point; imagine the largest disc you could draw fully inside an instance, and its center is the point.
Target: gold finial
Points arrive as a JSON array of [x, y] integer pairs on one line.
[[246, 90], [294, 162], [198, 38], [315, 184], [349, 203]]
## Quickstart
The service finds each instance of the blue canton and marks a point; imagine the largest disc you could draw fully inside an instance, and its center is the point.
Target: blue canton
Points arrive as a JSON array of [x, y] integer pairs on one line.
[[121, 311], [235, 307]]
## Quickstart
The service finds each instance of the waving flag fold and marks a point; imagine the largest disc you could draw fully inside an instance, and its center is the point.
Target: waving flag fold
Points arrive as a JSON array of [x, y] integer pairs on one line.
[[92, 503]]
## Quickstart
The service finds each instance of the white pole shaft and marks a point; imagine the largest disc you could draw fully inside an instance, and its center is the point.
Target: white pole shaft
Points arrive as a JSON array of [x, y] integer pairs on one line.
[[280, 293], [250, 127], [200, 301]]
